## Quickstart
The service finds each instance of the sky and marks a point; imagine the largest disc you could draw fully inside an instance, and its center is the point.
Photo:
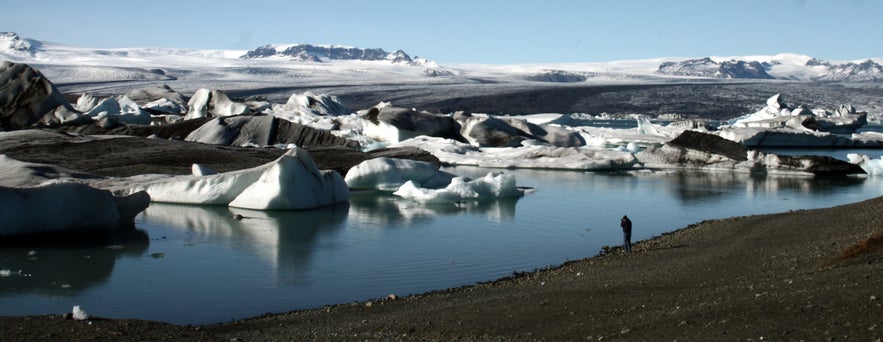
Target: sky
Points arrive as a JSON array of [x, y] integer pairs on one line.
[[470, 31]]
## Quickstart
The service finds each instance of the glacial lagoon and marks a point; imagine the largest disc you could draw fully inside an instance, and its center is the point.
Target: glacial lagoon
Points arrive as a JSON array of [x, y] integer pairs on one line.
[[199, 264]]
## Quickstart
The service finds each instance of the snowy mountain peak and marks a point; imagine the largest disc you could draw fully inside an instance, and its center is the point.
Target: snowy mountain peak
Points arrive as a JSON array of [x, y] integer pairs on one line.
[[782, 66], [321, 53], [11, 43], [707, 67]]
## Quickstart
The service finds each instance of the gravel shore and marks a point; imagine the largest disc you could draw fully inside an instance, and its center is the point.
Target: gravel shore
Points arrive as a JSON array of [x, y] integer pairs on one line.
[[803, 275]]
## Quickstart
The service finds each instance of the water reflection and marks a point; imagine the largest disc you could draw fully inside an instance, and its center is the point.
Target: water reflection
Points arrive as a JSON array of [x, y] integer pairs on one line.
[[386, 210], [276, 236], [65, 267], [697, 186]]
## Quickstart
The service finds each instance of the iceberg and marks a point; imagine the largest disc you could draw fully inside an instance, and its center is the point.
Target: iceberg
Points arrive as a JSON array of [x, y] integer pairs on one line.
[[490, 131], [293, 182], [528, 156], [290, 182], [205, 102], [391, 173], [121, 108], [493, 185], [778, 125], [64, 207], [873, 167]]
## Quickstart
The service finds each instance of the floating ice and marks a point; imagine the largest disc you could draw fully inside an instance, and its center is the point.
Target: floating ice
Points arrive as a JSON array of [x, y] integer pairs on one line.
[[493, 185], [390, 174], [527, 156], [293, 182], [873, 167], [65, 207], [290, 182]]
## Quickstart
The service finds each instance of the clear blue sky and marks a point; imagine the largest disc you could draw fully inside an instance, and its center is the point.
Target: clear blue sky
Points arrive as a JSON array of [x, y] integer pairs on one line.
[[472, 31]]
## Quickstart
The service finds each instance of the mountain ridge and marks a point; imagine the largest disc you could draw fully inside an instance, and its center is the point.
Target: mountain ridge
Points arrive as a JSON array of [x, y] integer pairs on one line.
[[791, 67]]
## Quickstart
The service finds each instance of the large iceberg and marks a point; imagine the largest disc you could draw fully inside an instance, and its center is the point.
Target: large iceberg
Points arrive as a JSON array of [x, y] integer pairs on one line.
[[706, 151], [290, 182], [293, 182], [66, 207]]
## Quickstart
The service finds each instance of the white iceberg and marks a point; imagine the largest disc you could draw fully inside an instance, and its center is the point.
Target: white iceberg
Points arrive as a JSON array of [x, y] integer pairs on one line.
[[293, 182], [528, 156], [493, 185], [290, 182], [873, 167], [122, 108], [66, 207], [391, 173], [207, 102]]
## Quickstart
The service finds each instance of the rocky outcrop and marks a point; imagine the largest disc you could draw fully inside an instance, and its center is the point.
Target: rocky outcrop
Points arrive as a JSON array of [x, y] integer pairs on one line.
[[28, 99]]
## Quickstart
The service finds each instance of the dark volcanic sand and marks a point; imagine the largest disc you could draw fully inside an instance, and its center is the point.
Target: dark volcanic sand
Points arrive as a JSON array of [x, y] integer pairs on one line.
[[772, 277]]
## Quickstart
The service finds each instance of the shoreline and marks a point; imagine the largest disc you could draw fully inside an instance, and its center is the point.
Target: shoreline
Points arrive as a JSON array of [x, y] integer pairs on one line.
[[773, 276]]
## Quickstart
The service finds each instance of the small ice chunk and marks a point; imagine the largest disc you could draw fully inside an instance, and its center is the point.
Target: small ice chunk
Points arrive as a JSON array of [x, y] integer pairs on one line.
[[79, 314]]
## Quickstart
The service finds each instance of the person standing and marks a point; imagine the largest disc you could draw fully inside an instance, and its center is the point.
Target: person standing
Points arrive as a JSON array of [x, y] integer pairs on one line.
[[626, 225]]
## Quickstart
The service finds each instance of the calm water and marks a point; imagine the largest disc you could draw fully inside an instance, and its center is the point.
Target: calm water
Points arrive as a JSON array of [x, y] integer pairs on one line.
[[196, 265]]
